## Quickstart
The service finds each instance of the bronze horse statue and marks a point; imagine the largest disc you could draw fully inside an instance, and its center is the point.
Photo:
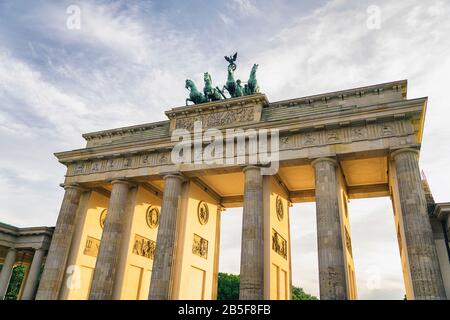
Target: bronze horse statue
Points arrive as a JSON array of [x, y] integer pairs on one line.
[[211, 94], [234, 87], [231, 85], [252, 86], [195, 96]]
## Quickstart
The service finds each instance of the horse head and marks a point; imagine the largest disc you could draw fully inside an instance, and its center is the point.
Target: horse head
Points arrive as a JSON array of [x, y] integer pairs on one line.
[[254, 68], [189, 84], [208, 80]]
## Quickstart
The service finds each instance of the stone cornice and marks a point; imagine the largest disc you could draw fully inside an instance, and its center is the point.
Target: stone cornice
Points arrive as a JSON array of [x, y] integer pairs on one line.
[[20, 232], [442, 210], [342, 94], [217, 105], [344, 99], [123, 130], [338, 118]]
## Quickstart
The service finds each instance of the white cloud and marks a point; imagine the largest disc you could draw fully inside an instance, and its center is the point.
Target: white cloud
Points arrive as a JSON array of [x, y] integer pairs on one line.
[[244, 8]]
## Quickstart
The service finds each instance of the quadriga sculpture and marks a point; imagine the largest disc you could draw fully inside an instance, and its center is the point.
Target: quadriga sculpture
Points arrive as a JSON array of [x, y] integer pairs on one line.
[[232, 86]]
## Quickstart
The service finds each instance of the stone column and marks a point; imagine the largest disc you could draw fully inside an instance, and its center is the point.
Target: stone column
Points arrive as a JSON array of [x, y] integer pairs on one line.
[[7, 269], [33, 275], [109, 251], [424, 267], [55, 265], [329, 238], [161, 283], [216, 253], [252, 252]]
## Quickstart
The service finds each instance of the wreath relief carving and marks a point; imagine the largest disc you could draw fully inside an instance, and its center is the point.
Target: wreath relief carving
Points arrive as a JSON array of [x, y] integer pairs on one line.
[[203, 212], [279, 208], [152, 217], [102, 219]]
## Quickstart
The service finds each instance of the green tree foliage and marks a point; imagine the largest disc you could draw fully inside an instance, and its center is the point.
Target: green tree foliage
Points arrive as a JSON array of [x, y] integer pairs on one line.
[[299, 294], [228, 289], [15, 282]]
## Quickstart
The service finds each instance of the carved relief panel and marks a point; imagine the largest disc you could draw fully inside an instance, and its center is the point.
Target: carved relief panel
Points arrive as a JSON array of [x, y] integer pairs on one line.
[[279, 244], [91, 247], [217, 119], [144, 247], [200, 246]]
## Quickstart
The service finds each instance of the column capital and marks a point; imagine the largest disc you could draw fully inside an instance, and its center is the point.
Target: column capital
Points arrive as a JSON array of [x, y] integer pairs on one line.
[[75, 186], [123, 181], [176, 175], [331, 160], [251, 167], [403, 150]]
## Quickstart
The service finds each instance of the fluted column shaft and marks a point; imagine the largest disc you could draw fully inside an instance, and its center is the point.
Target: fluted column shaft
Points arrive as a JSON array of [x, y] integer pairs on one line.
[[252, 252], [7, 269], [110, 244], [55, 265], [162, 273], [33, 275], [329, 238], [424, 266]]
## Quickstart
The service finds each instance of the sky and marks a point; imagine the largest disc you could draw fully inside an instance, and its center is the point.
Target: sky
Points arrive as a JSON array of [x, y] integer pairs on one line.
[[125, 63]]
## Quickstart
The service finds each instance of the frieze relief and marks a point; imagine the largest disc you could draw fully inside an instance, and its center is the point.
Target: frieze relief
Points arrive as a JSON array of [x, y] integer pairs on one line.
[[310, 138], [285, 141], [200, 247], [144, 247], [297, 140], [96, 166], [340, 135], [118, 163], [387, 130], [91, 247], [358, 133], [217, 119], [127, 162], [333, 136], [279, 244], [79, 168]]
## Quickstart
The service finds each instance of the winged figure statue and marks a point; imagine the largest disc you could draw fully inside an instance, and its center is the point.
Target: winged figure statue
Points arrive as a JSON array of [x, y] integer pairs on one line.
[[231, 60]]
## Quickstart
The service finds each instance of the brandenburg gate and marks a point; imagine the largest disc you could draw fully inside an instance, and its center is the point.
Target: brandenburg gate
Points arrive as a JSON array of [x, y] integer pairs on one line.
[[134, 224]]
